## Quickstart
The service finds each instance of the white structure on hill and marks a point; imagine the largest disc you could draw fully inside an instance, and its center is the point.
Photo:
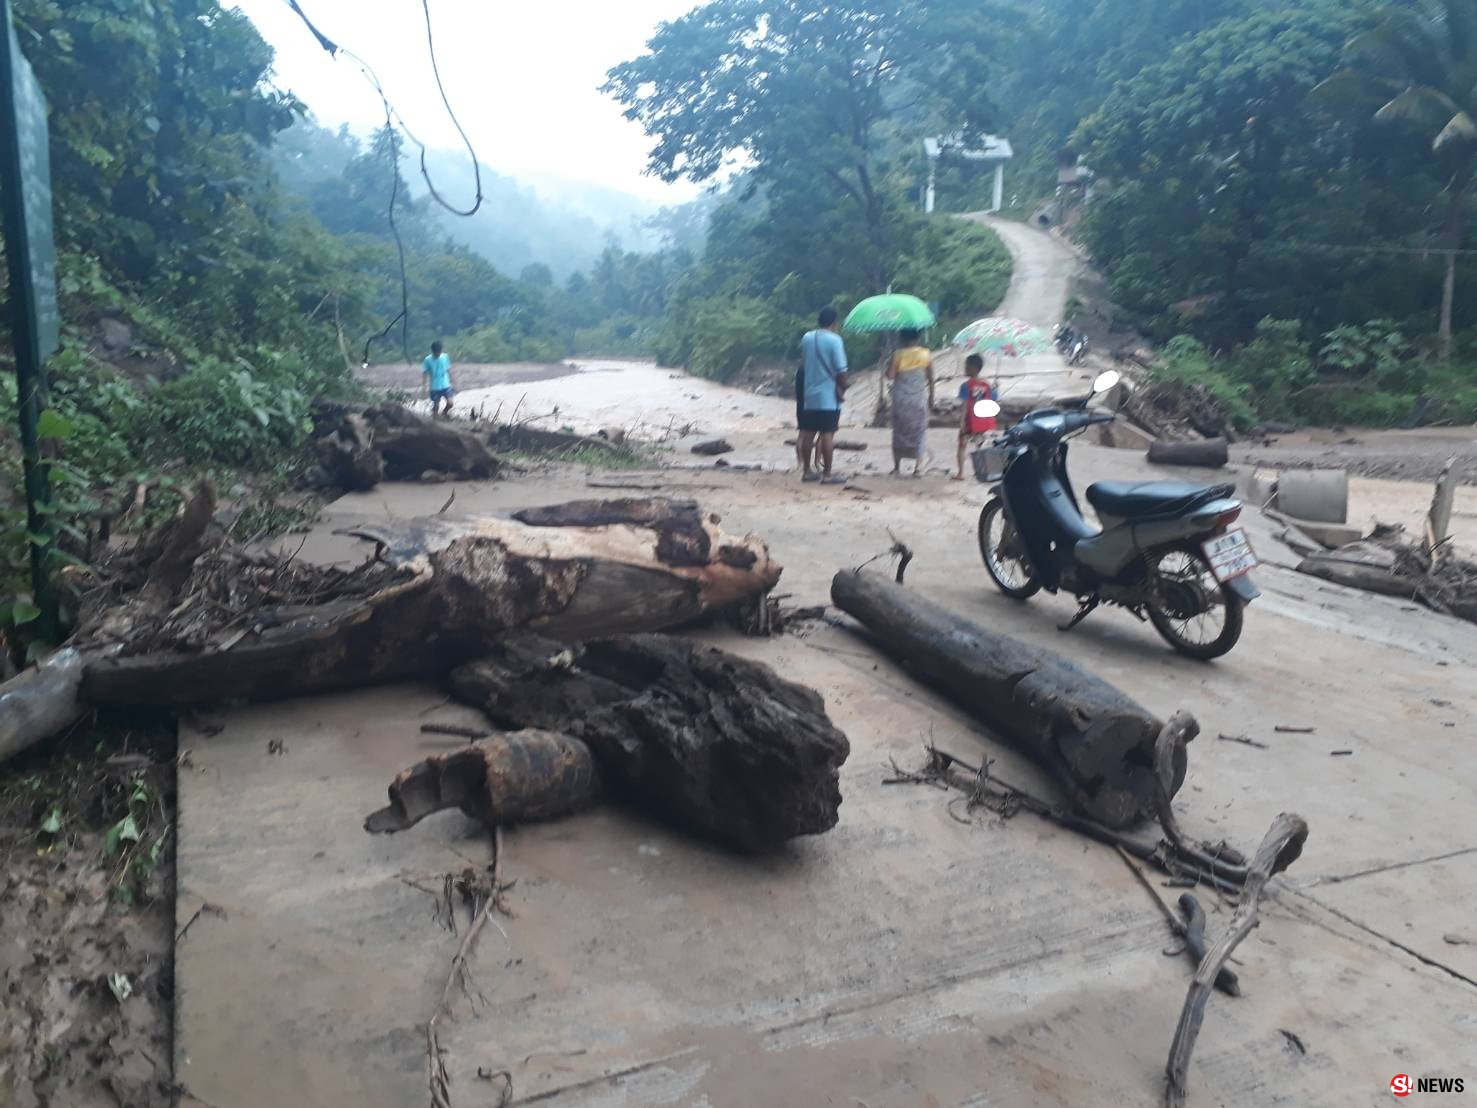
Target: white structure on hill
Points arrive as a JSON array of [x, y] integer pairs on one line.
[[992, 149]]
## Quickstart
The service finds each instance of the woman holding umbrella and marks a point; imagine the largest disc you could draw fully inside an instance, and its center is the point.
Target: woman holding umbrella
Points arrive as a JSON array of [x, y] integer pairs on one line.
[[911, 374], [910, 370]]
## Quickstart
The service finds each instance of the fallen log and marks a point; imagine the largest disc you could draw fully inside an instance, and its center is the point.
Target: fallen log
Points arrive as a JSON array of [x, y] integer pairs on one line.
[[1210, 453], [719, 744], [1097, 743], [520, 436], [517, 778], [1357, 575], [40, 702], [459, 586], [358, 446]]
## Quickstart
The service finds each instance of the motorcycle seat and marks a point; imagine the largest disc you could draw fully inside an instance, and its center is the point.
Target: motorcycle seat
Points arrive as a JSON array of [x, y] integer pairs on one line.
[[1137, 499]]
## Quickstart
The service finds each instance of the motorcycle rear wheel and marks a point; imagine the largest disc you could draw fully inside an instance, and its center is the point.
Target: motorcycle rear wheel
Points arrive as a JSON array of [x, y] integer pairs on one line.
[[1004, 558], [1186, 599]]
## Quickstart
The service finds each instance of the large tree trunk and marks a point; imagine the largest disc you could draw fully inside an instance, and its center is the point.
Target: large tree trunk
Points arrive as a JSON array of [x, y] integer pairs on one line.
[[1210, 453], [1096, 742], [720, 744], [465, 583]]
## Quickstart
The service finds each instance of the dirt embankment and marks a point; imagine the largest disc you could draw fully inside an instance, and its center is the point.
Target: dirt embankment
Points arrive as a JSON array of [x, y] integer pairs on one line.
[[1416, 455]]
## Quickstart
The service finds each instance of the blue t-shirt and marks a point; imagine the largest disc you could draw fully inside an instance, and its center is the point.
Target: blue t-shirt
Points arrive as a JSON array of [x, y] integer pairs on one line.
[[825, 359], [438, 366]]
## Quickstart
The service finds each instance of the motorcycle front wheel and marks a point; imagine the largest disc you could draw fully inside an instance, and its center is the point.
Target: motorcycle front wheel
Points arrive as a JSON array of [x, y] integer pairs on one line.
[[1004, 555], [1191, 610]]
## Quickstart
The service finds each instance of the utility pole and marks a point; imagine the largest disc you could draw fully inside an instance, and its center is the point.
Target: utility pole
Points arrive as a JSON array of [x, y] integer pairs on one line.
[[25, 194]]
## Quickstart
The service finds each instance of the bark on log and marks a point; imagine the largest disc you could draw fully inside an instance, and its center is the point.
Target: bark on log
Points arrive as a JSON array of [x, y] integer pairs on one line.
[[722, 745], [1095, 741], [1357, 576], [517, 778], [468, 582], [349, 457], [411, 444], [1210, 453], [359, 446]]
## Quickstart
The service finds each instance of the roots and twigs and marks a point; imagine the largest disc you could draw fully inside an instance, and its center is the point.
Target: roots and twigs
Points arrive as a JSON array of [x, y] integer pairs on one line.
[[1095, 741], [1280, 848], [898, 550], [1169, 748], [485, 901], [1173, 410], [1388, 562], [1190, 930], [982, 789]]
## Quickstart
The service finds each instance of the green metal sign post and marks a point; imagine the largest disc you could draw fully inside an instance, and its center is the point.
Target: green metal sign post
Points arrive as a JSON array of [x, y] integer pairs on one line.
[[25, 194]]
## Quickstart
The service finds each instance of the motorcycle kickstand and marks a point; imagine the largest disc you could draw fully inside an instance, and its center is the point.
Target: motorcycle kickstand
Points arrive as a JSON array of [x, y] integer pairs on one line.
[[1085, 608]]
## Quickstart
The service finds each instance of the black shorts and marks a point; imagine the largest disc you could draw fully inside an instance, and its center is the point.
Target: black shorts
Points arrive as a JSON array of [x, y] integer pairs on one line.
[[823, 422]]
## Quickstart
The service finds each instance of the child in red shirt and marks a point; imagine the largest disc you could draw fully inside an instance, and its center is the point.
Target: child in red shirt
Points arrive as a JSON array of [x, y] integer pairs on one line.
[[972, 427]]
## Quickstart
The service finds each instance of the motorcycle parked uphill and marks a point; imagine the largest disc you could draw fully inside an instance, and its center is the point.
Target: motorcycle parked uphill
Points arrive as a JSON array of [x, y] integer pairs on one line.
[[1166, 551]]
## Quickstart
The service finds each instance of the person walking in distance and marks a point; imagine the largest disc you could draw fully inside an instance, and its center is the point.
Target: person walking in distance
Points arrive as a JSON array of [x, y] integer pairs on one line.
[[437, 370], [824, 373]]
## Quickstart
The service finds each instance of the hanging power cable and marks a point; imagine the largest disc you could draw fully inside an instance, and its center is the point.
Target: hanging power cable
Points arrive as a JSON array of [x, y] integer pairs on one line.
[[393, 119]]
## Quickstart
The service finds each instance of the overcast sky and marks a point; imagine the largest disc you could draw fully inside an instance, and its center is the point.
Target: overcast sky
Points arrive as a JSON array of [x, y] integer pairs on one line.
[[524, 77]]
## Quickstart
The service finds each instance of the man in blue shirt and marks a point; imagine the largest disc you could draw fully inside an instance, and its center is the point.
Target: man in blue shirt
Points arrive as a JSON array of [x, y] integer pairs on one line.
[[823, 375], [437, 369]]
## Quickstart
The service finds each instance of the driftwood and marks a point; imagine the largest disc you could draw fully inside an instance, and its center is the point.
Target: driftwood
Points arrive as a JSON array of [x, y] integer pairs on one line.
[[719, 744], [459, 585], [1360, 576], [40, 702], [1098, 744], [1190, 930], [1280, 848], [1210, 453], [521, 436], [517, 778]]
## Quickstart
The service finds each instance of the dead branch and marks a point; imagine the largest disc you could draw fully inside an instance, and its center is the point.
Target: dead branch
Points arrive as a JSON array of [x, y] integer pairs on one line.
[[455, 729], [1168, 752], [1280, 848], [438, 1079], [1191, 929], [979, 784]]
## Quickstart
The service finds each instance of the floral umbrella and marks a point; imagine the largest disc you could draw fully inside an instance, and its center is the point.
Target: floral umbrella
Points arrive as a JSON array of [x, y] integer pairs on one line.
[[1011, 338]]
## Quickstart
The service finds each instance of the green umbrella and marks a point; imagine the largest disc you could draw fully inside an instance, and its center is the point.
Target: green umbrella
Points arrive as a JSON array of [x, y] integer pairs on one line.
[[893, 311]]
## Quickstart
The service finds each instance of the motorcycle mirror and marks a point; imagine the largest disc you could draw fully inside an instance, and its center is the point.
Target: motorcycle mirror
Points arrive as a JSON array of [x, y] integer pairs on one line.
[[1106, 380], [986, 409]]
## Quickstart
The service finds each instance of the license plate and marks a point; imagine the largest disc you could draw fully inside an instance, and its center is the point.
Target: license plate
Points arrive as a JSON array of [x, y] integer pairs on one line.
[[1230, 555]]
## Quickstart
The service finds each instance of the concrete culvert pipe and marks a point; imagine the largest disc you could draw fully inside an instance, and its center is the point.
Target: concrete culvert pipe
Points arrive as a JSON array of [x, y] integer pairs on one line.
[[1320, 495]]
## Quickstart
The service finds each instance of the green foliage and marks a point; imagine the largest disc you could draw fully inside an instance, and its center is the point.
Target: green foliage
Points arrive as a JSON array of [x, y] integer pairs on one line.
[[1188, 363], [964, 268]]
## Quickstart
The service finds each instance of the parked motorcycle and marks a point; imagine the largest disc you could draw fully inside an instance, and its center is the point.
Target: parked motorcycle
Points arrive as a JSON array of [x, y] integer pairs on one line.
[[1166, 551], [1070, 343]]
